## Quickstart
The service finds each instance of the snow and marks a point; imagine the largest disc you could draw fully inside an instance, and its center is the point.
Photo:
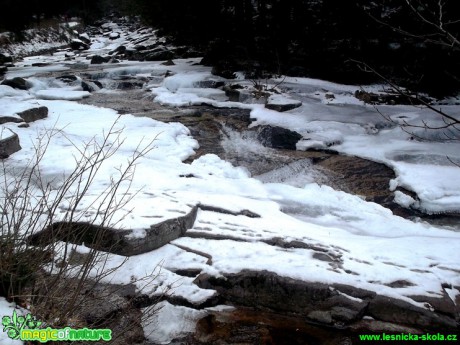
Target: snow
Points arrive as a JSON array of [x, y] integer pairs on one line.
[[370, 247], [171, 322]]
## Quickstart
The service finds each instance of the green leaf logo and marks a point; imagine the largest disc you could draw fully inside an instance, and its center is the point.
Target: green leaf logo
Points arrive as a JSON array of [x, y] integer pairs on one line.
[[15, 324]]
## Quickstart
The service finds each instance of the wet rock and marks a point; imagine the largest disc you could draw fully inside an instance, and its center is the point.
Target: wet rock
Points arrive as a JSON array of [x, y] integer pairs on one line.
[[335, 305], [130, 85], [34, 114], [247, 326], [315, 301], [3, 70], [9, 144], [97, 59], [277, 137], [91, 86], [17, 83]]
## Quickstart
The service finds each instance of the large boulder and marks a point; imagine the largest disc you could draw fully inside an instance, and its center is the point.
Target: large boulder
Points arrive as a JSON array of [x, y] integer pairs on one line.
[[336, 305], [316, 302], [277, 137], [17, 83], [113, 240]]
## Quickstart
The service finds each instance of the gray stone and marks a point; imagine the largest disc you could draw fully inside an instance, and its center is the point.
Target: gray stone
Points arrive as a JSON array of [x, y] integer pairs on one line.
[[9, 145], [444, 304], [396, 311], [113, 240], [316, 301], [277, 137], [159, 234], [34, 114], [323, 317]]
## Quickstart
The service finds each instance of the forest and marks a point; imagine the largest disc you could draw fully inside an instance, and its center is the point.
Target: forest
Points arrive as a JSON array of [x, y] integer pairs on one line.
[[405, 41]]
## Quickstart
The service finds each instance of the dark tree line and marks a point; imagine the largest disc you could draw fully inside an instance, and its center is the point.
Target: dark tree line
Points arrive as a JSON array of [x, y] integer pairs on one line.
[[16, 15], [402, 39], [319, 38]]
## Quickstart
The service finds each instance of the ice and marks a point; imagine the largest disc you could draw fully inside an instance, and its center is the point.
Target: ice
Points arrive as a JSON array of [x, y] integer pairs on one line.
[[62, 94]]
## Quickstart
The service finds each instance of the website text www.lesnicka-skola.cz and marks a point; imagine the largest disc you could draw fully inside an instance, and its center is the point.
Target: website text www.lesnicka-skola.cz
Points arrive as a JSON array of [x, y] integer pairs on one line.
[[410, 337]]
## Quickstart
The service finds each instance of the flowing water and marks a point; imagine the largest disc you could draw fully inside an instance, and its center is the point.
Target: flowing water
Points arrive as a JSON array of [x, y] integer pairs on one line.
[[226, 133]]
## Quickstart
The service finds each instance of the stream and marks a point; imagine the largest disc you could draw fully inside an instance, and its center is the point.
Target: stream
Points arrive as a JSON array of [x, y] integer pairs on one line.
[[225, 132]]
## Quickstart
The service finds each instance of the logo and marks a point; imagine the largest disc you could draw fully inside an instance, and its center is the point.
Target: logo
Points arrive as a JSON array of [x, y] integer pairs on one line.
[[27, 328]]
